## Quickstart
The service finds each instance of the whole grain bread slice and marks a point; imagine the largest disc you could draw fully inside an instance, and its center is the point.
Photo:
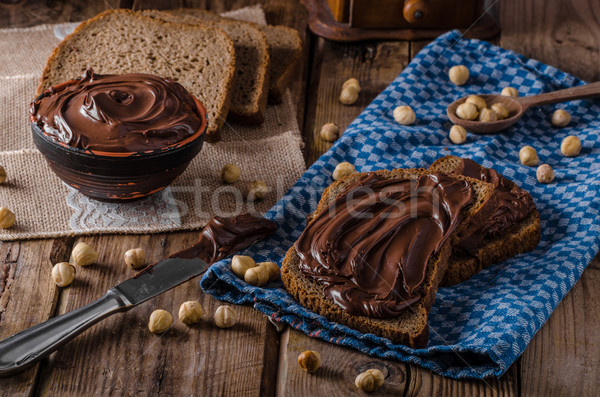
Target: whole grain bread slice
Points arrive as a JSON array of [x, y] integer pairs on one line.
[[285, 50], [252, 63], [411, 327], [521, 237], [200, 58]]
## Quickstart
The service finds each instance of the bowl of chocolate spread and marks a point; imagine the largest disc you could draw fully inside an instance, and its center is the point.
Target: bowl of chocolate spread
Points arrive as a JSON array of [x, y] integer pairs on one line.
[[118, 137]]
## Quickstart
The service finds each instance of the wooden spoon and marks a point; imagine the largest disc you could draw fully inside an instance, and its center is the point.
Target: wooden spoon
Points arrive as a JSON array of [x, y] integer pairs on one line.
[[517, 107]]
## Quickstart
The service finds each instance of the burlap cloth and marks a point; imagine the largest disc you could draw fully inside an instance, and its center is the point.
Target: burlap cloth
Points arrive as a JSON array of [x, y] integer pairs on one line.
[[46, 207]]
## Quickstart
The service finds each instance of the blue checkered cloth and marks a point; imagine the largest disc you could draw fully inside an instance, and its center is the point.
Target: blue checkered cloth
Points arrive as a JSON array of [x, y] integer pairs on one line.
[[480, 327]]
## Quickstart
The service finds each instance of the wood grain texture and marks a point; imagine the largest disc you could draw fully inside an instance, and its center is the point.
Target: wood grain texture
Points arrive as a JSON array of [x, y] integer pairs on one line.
[[563, 359], [564, 34], [339, 368], [28, 296], [375, 65], [121, 356]]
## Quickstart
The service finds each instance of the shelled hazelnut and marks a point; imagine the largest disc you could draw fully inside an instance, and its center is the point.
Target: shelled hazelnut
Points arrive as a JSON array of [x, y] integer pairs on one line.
[[258, 190], [349, 95], [458, 134], [309, 361], [545, 174], [467, 111], [84, 255], [404, 115], [225, 317], [2, 174], [486, 115], [190, 312], [160, 321], [7, 218], [501, 110], [351, 82], [230, 173], [63, 274], [560, 118], [240, 264], [135, 258], [476, 100], [570, 146], [257, 276], [528, 156], [343, 170], [370, 380], [510, 91], [330, 132], [272, 268], [458, 74]]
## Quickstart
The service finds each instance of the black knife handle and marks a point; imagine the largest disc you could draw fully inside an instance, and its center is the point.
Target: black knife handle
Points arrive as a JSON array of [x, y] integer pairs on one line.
[[31, 345]]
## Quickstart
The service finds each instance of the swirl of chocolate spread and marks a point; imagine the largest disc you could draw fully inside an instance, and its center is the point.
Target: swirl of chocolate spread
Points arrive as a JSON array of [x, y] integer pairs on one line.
[[370, 247], [117, 113], [514, 204]]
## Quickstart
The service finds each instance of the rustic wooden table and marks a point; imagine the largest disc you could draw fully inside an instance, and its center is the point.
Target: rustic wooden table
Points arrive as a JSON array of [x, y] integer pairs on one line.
[[120, 357]]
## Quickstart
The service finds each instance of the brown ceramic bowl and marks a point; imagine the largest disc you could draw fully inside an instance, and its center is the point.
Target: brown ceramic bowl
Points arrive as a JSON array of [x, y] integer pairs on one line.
[[118, 176]]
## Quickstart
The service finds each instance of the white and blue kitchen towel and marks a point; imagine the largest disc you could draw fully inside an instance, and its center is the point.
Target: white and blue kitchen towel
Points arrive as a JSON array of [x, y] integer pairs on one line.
[[480, 327]]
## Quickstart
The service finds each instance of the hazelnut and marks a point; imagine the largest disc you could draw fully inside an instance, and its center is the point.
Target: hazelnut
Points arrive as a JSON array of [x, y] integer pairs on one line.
[[351, 82], [2, 174], [570, 146], [510, 91], [135, 258], [370, 380], [258, 191], [404, 115], [528, 156], [545, 173], [309, 361], [501, 110], [458, 134], [63, 274], [190, 312], [257, 276], [84, 255], [272, 269], [230, 173], [467, 111], [330, 132], [160, 321], [240, 264], [458, 74], [560, 118], [477, 101], [343, 170], [349, 95], [225, 317], [7, 218], [487, 115]]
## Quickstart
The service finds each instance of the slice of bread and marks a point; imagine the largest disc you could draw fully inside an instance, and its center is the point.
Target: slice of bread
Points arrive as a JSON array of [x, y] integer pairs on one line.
[[285, 50], [517, 238], [202, 59], [252, 63], [411, 327]]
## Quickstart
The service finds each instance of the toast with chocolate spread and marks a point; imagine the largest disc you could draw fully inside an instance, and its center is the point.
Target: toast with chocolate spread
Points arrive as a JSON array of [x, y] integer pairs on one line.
[[285, 49], [376, 248], [200, 58], [252, 63], [512, 229]]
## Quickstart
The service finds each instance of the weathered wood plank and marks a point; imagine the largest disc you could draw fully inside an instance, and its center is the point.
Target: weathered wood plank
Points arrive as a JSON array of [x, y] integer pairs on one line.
[[564, 356], [120, 356], [34, 12], [564, 34], [375, 65], [339, 368], [28, 296]]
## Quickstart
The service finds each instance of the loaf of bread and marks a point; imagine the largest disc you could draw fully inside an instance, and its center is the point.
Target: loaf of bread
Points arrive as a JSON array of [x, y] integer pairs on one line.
[[252, 62], [520, 237], [411, 326], [200, 58], [285, 50]]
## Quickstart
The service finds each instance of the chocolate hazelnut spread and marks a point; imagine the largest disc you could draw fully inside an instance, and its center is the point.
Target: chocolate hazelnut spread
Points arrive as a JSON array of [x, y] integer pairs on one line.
[[222, 237], [370, 247], [514, 204], [117, 113]]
